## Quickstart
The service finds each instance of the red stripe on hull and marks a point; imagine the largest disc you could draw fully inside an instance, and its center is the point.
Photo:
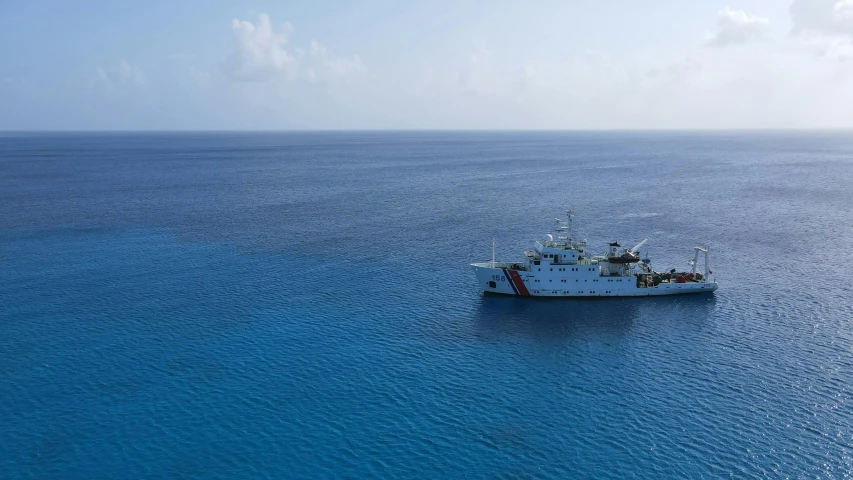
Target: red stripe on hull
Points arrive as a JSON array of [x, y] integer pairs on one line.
[[519, 284]]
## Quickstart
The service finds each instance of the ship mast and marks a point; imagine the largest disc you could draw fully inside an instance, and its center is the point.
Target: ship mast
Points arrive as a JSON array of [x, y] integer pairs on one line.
[[571, 215], [566, 232]]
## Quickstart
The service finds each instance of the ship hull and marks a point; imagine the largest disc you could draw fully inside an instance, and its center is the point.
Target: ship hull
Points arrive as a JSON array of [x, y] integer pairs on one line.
[[573, 281]]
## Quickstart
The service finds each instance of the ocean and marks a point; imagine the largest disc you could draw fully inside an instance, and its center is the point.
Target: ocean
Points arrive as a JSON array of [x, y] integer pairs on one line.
[[301, 305]]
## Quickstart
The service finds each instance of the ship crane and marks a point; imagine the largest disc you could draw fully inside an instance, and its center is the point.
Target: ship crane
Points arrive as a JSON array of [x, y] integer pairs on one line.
[[636, 248], [694, 262], [635, 251]]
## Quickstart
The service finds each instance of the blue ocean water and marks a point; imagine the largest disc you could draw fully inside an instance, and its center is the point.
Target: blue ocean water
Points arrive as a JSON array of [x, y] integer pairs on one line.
[[294, 305]]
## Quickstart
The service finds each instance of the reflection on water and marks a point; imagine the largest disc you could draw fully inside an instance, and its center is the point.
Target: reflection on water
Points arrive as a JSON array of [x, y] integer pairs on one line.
[[558, 320]]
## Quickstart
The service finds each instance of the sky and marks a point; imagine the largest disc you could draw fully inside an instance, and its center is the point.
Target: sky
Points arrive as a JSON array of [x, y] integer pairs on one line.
[[572, 64]]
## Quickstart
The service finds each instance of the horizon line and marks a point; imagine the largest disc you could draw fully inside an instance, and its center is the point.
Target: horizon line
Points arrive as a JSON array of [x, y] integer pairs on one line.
[[443, 130]]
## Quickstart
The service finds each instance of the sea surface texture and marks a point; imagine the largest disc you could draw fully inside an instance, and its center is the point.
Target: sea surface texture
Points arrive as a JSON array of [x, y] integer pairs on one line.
[[301, 305]]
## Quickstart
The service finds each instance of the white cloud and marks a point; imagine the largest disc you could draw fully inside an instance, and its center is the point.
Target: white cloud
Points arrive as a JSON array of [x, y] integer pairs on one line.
[[121, 74], [260, 51], [824, 26], [833, 17], [735, 27], [830, 47], [333, 66], [261, 55], [843, 9]]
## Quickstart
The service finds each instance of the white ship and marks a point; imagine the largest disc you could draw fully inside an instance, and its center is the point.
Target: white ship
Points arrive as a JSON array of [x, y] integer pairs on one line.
[[561, 267]]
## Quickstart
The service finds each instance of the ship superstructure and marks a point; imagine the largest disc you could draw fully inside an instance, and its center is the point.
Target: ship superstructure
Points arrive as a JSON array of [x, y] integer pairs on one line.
[[560, 266]]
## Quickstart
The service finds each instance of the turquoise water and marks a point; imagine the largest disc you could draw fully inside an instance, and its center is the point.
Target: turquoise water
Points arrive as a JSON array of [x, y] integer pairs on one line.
[[301, 305]]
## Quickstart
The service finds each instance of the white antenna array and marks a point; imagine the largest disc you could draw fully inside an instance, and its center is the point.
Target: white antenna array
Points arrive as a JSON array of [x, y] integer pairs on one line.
[[566, 228]]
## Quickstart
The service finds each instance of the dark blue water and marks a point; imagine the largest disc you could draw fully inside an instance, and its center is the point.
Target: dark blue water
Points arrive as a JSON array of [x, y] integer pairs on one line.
[[301, 305]]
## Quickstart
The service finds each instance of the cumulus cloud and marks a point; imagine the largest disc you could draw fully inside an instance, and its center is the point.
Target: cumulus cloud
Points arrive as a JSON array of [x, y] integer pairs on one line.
[[121, 74], [825, 27], [831, 17], [263, 53], [260, 50], [736, 27]]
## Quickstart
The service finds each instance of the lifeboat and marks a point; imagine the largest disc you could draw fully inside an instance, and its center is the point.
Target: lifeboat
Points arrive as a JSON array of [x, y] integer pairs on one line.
[[624, 258]]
